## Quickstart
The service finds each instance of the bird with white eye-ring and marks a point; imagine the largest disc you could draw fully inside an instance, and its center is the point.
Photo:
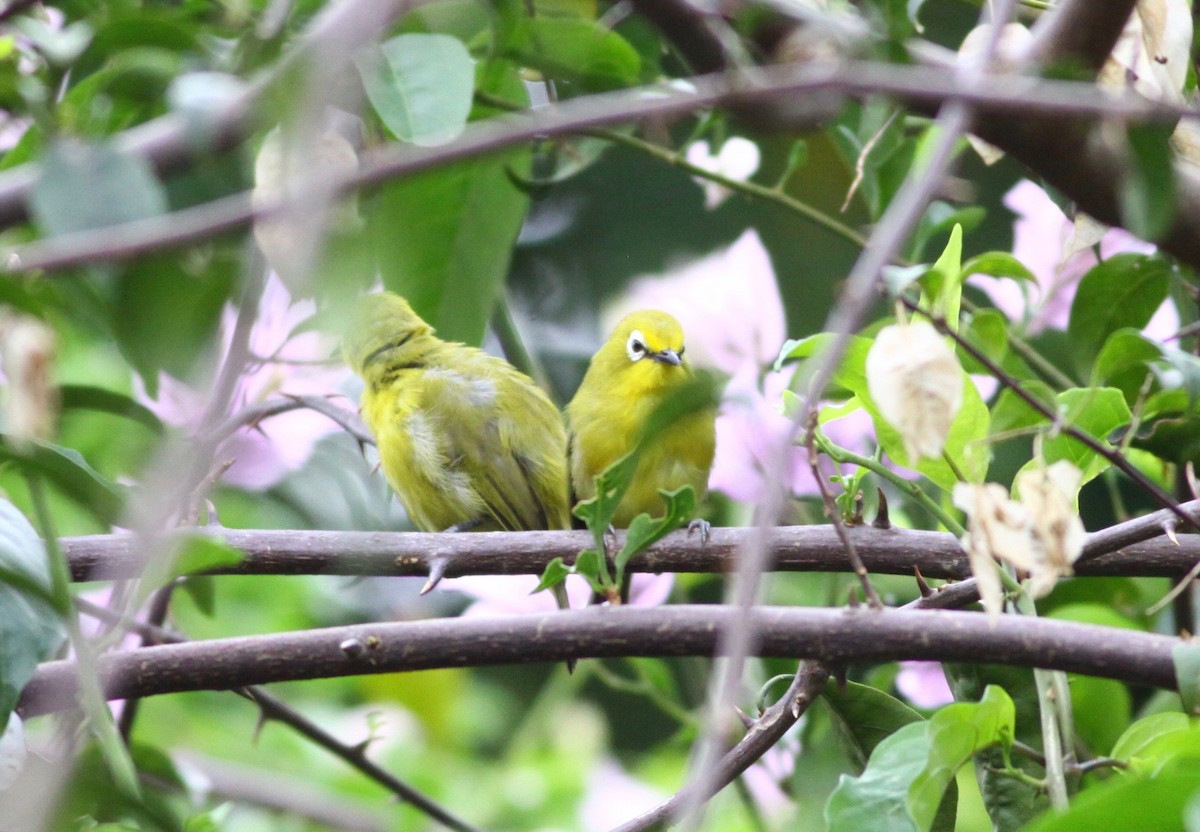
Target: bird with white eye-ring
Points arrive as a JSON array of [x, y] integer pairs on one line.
[[613, 404]]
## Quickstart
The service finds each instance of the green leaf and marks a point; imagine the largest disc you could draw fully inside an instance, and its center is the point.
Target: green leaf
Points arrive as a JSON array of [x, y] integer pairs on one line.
[[864, 717], [82, 187], [1186, 657], [987, 331], [578, 50], [943, 283], [72, 475], [1011, 412], [588, 564], [1178, 370], [998, 264], [940, 218], [957, 732], [875, 800], [597, 512], [167, 309], [1097, 411], [1122, 292], [444, 238], [1124, 362], [554, 574], [909, 774], [1156, 804], [420, 85], [644, 531], [202, 589], [1147, 195], [30, 629], [1141, 735], [85, 397]]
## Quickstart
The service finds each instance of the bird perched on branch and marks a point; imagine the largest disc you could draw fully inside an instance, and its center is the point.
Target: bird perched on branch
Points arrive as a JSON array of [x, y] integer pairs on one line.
[[639, 369], [466, 441]]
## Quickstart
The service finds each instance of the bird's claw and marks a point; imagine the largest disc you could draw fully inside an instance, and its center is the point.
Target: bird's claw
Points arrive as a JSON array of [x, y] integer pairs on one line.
[[701, 525]]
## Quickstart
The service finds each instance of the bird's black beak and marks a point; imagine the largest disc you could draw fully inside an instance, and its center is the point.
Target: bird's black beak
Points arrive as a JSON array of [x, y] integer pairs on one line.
[[667, 356]]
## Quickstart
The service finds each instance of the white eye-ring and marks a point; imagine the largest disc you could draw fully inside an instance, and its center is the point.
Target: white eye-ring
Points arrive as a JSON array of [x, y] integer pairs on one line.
[[636, 345]]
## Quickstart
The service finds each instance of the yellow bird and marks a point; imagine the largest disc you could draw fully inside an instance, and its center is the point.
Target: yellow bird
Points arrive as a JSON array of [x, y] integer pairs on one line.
[[465, 440], [641, 365]]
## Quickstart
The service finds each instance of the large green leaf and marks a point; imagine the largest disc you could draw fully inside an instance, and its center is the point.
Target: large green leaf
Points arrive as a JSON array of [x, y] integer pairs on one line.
[[1124, 362], [82, 187], [1142, 745], [166, 311], [1123, 291], [444, 238], [1158, 804], [86, 397], [909, 774], [72, 475], [1098, 411], [420, 85], [30, 629], [864, 717], [1148, 184], [578, 50]]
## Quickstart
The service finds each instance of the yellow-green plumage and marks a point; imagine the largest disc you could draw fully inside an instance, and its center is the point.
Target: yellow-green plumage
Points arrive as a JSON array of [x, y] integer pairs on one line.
[[640, 365], [464, 438]]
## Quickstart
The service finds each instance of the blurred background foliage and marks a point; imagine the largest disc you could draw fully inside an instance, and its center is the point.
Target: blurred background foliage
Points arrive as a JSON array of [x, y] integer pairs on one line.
[[546, 234]]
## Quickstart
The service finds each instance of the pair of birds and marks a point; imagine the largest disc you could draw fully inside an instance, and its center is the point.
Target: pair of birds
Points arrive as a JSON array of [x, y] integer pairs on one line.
[[468, 442]]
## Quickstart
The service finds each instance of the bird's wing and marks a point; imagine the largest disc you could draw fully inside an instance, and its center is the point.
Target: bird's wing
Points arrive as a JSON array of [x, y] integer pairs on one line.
[[495, 431]]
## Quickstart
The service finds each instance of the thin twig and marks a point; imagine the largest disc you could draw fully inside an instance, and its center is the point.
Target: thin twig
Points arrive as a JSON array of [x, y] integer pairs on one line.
[[766, 731], [835, 516]]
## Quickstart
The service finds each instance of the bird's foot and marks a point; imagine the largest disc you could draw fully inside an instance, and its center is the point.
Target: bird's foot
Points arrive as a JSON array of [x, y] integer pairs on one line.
[[702, 526]]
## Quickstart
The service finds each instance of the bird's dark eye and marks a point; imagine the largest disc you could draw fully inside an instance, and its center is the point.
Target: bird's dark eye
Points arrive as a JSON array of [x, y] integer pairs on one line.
[[635, 347]]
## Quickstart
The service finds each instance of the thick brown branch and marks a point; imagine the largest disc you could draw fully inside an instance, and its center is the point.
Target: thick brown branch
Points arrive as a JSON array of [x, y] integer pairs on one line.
[[827, 635], [796, 549]]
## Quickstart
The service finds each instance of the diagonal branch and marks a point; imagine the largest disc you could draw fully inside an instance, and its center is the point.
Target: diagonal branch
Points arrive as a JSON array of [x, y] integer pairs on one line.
[[278, 710]]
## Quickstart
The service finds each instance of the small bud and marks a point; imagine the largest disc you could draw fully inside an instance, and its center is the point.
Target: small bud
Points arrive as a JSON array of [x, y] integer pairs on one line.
[[917, 384], [27, 354]]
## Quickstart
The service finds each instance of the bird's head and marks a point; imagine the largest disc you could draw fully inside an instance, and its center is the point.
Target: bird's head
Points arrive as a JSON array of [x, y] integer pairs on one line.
[[377, 324], [646, 350]]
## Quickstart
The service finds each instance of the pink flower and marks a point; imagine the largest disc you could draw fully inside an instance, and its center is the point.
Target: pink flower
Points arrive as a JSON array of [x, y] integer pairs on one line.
[[924, 684], [263, 454], [613, 797], [751, 429], [1041, 234], [764, 780]]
